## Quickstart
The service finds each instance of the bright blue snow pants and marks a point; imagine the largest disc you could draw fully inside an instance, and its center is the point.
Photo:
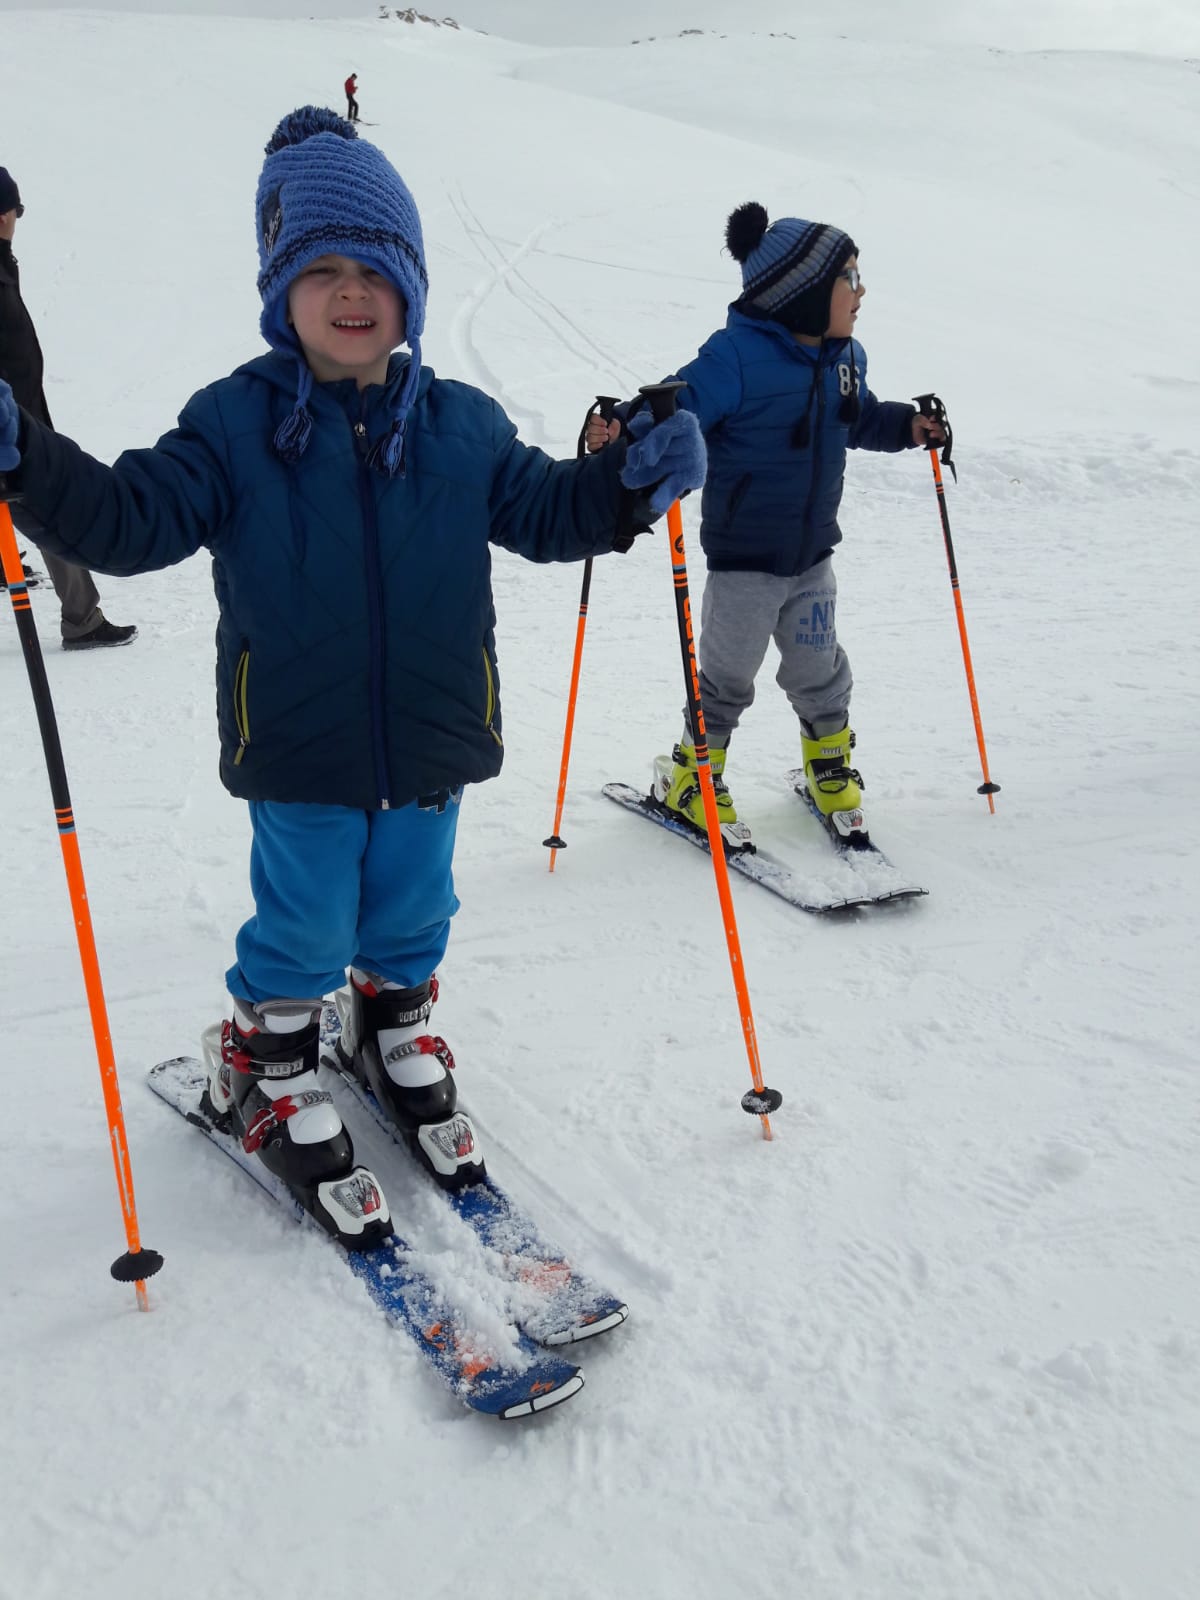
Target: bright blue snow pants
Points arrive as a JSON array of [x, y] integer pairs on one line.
[[334, 887]]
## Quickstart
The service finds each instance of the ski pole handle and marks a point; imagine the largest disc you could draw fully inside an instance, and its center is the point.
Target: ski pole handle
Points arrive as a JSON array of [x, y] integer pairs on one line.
[[604, 406], [662, 398], [932, 406]]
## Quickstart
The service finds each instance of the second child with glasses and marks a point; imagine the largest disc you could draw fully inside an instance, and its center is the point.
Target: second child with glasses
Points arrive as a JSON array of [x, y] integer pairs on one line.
[[780, 394]]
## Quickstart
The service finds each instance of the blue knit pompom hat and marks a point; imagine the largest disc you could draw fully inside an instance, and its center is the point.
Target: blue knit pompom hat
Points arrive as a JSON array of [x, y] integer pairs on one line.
[[789, 266], [325, 191]]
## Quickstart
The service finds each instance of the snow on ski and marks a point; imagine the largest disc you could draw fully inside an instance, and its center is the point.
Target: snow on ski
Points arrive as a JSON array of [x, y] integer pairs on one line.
[[852, 878], [406, 1296], [866, 861], [566, 1307]]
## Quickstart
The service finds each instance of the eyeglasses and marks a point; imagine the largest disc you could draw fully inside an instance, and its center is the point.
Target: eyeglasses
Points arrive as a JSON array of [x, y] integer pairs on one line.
[[853, 277]]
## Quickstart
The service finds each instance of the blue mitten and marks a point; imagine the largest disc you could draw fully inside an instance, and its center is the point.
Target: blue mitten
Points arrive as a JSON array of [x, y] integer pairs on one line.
[[10, 456], [669, 455]]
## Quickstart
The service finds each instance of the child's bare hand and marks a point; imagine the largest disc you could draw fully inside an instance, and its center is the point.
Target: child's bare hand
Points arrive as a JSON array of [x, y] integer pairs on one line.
[[927, 431], [598, 433]]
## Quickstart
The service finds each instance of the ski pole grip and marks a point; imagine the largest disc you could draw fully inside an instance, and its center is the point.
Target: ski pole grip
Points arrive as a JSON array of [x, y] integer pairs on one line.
[[929, 405], [662, 398], [606, 405]]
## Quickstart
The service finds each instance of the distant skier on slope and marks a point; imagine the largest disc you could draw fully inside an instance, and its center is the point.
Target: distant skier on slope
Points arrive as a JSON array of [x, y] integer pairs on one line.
[[781, 394], [349, 500], [351, 87]]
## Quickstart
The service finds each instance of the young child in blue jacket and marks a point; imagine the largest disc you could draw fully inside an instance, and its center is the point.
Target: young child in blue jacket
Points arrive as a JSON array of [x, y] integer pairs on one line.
[[348, 499], [781, 394]]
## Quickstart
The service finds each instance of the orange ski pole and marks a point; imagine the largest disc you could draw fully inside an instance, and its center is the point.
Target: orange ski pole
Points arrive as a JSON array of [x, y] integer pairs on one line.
[[931, 406], [605, 405], [759, 1101], [137, 1264]]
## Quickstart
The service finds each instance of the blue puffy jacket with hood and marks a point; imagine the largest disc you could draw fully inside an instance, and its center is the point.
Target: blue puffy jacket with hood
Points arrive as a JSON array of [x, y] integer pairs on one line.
[[356, 656], [778, 418]]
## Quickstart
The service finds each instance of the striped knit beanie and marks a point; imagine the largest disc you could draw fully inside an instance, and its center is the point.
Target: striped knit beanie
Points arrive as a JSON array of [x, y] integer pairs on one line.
[[325, 191], [789, 267]]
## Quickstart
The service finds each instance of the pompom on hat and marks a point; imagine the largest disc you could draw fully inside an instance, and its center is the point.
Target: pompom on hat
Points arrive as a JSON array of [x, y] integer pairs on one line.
[[789, 266], [325, 191]]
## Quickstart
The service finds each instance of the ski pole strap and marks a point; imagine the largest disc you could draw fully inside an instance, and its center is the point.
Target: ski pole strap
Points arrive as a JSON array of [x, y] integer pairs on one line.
[[930, 405]]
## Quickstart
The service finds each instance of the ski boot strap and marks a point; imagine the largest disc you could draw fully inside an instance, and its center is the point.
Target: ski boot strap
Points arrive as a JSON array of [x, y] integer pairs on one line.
[[425, 1044], [271, 1055], [396, 1008], [265, 1121]]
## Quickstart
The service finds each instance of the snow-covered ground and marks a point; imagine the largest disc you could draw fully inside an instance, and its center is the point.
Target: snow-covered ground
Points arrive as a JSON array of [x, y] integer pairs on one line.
[[940, 1338]]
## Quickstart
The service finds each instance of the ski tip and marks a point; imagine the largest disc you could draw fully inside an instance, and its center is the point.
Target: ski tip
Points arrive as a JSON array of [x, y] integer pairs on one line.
[[589, 1328], [537, 1403]]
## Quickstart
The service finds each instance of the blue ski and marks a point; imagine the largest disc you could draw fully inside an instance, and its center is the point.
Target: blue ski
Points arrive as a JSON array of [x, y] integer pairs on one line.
[[406, 1296], [567, 1306]]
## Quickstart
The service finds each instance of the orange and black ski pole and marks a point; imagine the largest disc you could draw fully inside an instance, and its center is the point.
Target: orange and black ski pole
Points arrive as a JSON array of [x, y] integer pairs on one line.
[[605, 405], [759, 1101], [931, 406], [137, 1264]]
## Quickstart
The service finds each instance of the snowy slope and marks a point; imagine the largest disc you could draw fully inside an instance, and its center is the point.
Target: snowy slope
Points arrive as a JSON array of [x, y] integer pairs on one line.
[[940, 1338]]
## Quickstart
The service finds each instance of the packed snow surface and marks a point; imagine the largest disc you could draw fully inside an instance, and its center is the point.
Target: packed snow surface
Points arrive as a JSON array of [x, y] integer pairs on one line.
[[939, 1338]]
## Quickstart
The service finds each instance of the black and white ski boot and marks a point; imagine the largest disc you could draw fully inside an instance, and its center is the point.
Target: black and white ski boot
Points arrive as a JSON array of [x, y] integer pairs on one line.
[[384, 1042], [263, 1086]]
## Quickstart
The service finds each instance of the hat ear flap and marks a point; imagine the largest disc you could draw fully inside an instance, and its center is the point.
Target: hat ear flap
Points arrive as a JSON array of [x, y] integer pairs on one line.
[[745, 229]]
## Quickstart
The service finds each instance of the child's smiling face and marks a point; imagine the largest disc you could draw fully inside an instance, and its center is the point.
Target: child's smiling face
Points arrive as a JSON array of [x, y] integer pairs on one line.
[[348, 318], [848, 290]]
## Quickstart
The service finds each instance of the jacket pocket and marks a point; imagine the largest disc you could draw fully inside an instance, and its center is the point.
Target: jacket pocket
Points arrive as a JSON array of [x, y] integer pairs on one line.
[[241, 704], [489, 716]]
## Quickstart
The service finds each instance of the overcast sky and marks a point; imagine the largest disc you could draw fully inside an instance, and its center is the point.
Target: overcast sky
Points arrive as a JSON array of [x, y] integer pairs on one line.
[[1168, 27]]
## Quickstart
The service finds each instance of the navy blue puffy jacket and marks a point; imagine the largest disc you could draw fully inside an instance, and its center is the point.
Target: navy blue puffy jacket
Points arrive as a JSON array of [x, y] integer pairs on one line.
[[356, 658], [776, 446]]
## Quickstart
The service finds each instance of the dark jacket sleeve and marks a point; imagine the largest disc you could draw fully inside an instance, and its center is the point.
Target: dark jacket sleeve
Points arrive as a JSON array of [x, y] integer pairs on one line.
[[150, 509], [882, 424], [21, 364], [549, 510]]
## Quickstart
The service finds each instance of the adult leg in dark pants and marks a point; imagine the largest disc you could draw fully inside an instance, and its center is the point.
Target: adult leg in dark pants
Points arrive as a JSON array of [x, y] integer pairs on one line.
[[84, 625]]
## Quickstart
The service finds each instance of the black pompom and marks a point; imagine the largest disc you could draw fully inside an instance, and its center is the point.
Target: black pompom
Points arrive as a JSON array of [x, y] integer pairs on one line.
[[300, 125], [745, 228]]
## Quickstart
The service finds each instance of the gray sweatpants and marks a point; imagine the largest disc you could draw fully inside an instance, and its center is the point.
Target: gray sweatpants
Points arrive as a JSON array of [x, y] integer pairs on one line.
[[741, 613], [77, 595]]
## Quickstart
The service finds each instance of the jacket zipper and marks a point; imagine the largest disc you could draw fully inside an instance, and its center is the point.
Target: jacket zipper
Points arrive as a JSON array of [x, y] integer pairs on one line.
[[490, 714], [241, 707], [375, 615], [819, 380]]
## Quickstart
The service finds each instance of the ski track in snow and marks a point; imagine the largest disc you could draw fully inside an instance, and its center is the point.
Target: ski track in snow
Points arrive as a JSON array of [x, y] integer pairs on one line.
[[939, 1337], [503, 264]]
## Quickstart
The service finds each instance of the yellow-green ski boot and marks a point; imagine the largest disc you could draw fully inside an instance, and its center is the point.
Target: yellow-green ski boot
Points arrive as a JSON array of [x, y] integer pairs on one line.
[[834, 786], [677, 788]]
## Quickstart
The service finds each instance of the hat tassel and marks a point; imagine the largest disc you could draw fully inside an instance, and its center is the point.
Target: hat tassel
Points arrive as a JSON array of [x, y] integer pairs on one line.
[[293, 433], [387, 453]]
